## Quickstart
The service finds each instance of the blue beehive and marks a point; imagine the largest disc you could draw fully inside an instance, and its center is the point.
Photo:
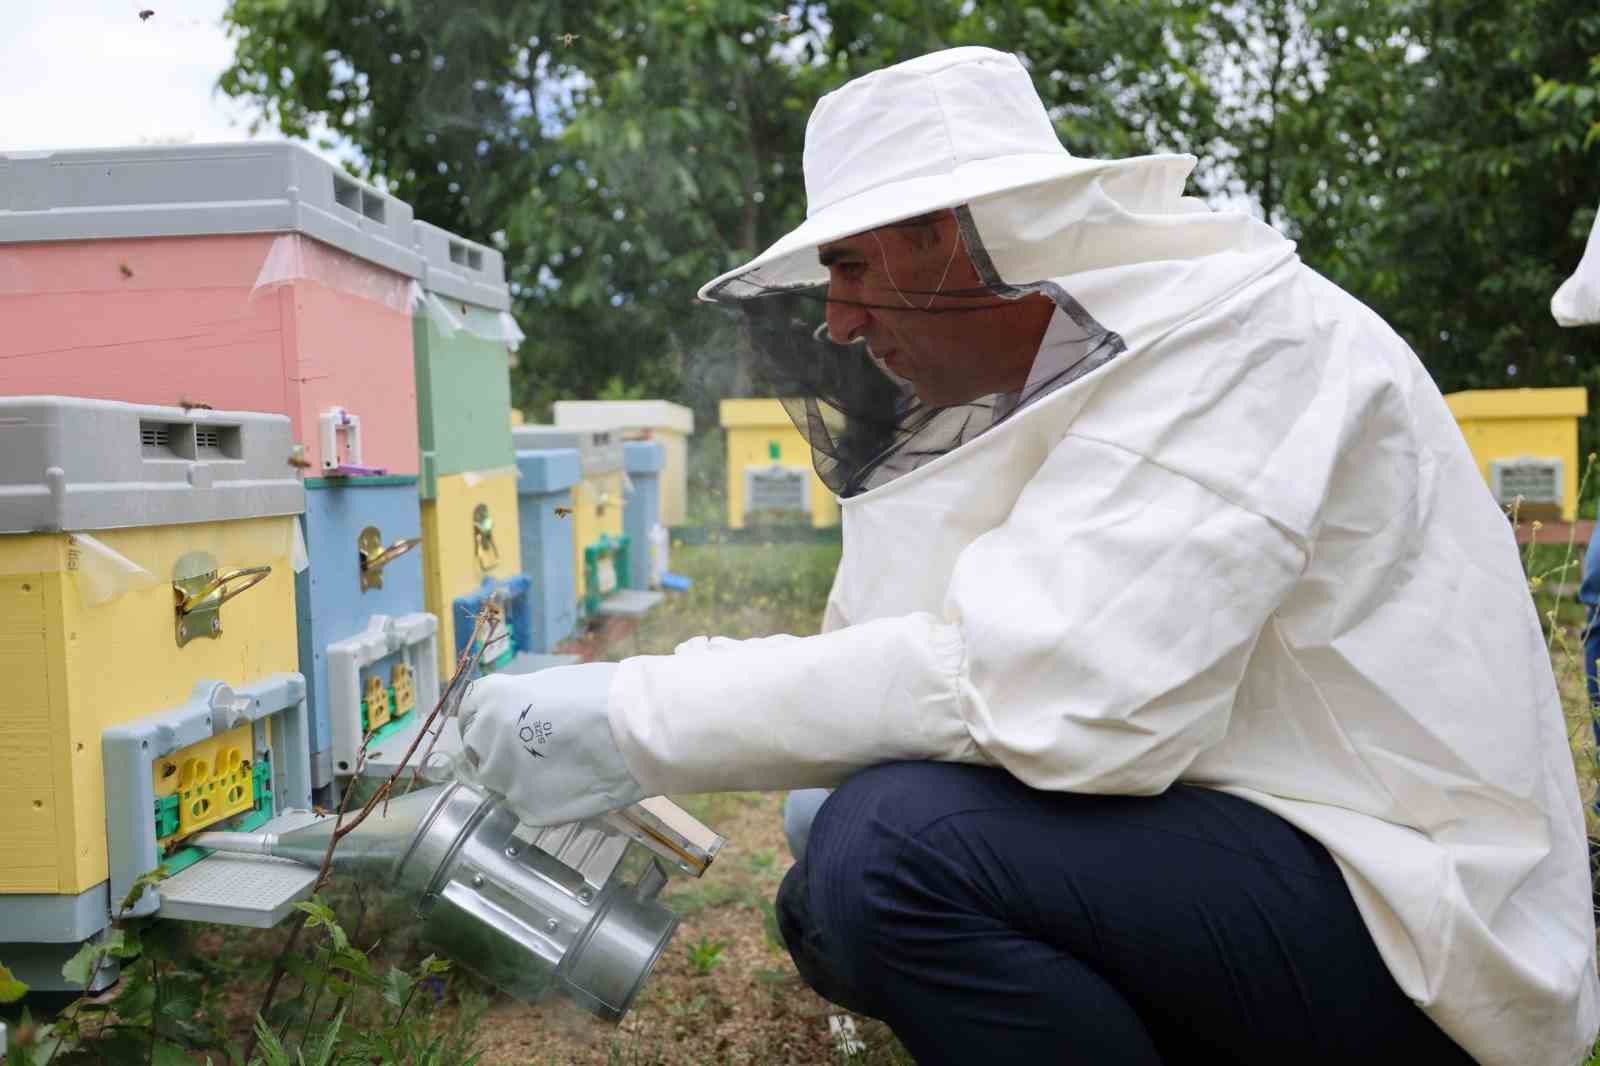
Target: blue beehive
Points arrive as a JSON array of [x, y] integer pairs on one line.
[[544, 488], [641, 516], [368, 649]]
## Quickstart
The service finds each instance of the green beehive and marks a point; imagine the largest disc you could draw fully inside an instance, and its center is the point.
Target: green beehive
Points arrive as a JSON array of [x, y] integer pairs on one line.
[[463, 329]]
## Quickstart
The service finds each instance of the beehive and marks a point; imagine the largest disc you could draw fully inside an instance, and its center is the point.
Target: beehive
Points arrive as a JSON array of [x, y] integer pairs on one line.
[[463, 336], [545, 501], [365, 626], [240, 276], [1526, 444], [769, 467], [110, 515], [668, 424], [470, 534], [599, 546]]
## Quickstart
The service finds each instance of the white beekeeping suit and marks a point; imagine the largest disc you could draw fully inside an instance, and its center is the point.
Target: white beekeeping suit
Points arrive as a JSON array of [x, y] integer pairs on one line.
[[1239, 542]]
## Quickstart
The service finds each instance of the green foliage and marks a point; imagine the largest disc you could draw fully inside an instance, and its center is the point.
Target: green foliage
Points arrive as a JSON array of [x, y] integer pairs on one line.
[[705, 955], [1433, 159], [167, 1007], [11, 989]]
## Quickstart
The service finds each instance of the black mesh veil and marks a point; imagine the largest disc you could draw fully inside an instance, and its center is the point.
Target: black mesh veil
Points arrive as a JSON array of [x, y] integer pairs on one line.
[[865, 426]]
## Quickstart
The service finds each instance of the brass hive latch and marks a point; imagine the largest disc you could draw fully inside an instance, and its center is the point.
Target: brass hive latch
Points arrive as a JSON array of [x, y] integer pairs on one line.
[[374, 556], [483, 537], [200, 590]]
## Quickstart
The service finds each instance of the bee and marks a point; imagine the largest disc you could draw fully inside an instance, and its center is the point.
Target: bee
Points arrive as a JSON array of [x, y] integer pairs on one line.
[[318, 810], [563, 512], [127, 271], [299, 462], [780, 19], [568, 38], [194, 405], [144, 16]]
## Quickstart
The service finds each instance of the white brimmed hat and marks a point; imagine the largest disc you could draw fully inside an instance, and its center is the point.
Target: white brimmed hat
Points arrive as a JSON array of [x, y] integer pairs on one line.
[[934, 132]]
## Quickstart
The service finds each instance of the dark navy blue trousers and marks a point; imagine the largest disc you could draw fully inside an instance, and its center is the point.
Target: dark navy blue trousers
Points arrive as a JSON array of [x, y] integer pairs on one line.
[[988, 923]]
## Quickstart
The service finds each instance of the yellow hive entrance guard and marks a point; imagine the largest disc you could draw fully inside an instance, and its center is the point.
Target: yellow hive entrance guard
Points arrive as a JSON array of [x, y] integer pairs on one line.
[[769, 467], [211, 781], [1525, 442]]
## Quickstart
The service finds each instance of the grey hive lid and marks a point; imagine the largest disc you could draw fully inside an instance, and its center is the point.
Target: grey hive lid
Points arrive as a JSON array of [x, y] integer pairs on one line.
[[201, 191], [75, 464], [461, 269], [600, 451]]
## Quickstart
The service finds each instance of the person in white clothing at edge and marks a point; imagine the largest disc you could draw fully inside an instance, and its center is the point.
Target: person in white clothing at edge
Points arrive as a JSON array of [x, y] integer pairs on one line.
[[1179, 687]]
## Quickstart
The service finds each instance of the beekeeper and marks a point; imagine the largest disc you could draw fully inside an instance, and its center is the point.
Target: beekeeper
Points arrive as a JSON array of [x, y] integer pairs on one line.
[[1180, 686]]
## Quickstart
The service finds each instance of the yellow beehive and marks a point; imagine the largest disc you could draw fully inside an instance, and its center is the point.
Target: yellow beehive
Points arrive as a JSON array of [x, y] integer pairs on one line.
[[668, 424], [766, 452], [76, 663], [459, 550], [596, 512], [1525, 442]]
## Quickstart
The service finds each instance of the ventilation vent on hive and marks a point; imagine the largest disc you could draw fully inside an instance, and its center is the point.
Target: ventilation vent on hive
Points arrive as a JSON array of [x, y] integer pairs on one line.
[[466, 255]]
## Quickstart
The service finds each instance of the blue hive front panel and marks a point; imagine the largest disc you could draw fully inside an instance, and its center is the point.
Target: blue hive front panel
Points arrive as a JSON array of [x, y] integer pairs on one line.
[[333, 606]]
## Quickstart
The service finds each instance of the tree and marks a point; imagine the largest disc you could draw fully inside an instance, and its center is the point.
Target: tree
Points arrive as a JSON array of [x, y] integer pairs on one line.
[[1434, 159], [621, 153]]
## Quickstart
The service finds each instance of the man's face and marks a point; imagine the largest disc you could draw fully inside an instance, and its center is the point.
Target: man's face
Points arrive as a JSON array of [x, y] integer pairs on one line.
[[890, 288]]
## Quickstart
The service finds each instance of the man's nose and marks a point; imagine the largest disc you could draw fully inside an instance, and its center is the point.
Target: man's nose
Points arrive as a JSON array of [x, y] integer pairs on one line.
[[846, 319]]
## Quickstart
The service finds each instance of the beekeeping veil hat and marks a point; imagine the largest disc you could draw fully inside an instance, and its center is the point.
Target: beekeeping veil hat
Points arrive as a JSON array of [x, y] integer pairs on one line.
[[961, 130], [1577, 302]]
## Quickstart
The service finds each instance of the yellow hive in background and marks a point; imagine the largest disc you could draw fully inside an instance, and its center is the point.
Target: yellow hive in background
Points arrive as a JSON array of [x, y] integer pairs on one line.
[[458, 552], [76, 663], [1526, 443], [766, 453], [596, 512]]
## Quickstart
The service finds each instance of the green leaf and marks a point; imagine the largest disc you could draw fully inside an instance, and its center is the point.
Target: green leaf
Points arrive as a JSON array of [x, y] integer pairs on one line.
[[165, 1054], [80, 969], [397, 986], [11, 989], [432, 965], [137, 890], [320, 915], [326, 1047], [270, 1047]]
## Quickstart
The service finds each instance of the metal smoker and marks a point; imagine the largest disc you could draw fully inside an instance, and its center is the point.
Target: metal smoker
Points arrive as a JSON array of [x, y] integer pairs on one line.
[[531, 910]]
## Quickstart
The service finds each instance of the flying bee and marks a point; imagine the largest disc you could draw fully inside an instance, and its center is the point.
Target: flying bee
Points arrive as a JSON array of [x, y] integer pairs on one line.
[[125, 269], [781, 19], [568, 38], [144, 16], [563, 512]]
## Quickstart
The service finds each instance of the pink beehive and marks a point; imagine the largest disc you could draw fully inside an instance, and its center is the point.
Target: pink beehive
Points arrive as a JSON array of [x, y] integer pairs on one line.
[[245, 277]]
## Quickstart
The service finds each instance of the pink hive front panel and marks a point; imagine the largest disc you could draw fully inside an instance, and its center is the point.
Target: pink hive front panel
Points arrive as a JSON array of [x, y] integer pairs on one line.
[[356, 353], [180, 320]]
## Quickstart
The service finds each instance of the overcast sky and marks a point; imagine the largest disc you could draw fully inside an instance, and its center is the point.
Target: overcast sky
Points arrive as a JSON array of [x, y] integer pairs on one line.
[[90, 74]]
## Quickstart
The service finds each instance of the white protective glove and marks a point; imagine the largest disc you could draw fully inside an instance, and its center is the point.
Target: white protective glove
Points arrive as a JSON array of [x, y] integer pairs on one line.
[[543, 742]]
